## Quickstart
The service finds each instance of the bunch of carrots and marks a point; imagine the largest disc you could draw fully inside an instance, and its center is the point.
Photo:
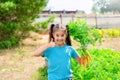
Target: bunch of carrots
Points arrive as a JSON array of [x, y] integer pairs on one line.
[[85, 60]]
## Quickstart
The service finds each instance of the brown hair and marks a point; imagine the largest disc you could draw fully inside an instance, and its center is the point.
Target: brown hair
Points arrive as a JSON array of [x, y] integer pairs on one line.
[[55, 27]]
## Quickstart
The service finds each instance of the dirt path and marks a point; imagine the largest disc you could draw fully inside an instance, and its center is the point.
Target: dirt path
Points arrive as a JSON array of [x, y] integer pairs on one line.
[[19, 63], [19, 66]]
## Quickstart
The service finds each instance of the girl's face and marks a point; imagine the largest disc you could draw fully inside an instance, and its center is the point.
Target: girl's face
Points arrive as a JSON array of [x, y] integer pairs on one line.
[[60, 37]]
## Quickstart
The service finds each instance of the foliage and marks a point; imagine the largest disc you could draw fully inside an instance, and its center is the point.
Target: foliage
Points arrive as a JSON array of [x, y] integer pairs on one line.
[[110, 33], [113, 32], [114, 6], [42, 26], [41, 74], [16, 17], [99, 5], [105, 66], [45, 24], [82, 33], [107, 5]]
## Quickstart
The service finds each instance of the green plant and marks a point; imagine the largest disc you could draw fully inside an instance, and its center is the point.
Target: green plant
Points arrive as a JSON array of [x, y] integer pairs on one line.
[[113, 33], [41, 74], [9, 42], [42, 26], [16, 17], [45, 24], [105, 66], [85, 35], [102, 32]]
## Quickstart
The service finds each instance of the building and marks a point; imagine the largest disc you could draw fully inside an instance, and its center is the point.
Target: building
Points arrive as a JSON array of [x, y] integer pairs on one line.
[[62, 11]]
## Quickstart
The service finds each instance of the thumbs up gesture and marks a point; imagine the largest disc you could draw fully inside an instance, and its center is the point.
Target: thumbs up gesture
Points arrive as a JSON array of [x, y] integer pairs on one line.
[[52, 44]]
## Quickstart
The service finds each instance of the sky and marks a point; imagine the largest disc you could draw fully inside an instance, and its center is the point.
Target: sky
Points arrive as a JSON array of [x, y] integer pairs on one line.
[[85, 5]]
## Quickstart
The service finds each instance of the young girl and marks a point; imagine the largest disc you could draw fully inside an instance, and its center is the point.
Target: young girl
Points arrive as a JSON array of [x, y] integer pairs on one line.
[[58, 53]]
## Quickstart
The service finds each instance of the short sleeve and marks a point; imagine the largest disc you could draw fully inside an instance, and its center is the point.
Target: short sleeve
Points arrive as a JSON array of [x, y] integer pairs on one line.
[[46, 53], [74, 53]]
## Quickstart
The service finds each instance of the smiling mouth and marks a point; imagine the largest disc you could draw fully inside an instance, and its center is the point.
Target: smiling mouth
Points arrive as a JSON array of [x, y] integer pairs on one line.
[[59, 40]]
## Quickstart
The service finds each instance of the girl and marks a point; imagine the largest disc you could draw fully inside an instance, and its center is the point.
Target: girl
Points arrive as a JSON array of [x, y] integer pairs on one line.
[[58, 53]]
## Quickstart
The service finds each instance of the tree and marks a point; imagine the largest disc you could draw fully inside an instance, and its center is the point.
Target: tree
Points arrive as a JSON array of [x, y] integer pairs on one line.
[[107, 5], [100, 5], [114, 6], [16, 17]]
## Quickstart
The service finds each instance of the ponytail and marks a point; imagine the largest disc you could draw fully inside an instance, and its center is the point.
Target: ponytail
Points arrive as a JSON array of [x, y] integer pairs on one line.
[[51, 32], [68, 40]]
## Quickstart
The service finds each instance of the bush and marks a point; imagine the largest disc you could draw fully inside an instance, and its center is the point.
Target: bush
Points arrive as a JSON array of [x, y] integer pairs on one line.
[[41, 74], [110, 33], [16, 17], [105, 66], [43, 26], [9, 34], [115, 33]]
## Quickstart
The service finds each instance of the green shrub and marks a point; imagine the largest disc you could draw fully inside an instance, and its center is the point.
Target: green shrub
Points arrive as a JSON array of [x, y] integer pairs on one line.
[[16, 17], [104, 66], [116, 33], [113, 33], [41, 74], [43, 26], [8, 34]]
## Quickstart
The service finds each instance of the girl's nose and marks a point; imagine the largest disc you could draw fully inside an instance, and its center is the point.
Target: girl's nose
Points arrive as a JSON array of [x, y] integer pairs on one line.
[[60, 38]]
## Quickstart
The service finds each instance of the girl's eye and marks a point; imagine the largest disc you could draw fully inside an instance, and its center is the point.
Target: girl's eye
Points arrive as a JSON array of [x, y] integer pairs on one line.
[[62, 35], [57, 35]]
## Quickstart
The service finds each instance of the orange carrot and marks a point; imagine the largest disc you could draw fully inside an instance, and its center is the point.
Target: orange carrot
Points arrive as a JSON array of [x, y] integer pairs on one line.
[[89, 58], [84, 63], [81, 60], [85, 60]]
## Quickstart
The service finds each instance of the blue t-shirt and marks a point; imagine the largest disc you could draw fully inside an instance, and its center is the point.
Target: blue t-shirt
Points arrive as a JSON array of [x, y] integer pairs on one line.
[[59, 62]]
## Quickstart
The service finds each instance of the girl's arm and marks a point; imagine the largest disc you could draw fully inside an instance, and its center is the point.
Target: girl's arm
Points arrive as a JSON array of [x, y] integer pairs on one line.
[[40, 50]]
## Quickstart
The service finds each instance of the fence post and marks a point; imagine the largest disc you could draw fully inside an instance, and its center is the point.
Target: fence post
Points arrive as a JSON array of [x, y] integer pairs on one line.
[[61, 18], [96, 20], [73, 17]]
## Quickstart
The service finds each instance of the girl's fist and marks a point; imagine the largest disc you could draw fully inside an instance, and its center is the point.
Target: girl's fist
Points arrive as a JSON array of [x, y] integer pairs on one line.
[[52, 44]]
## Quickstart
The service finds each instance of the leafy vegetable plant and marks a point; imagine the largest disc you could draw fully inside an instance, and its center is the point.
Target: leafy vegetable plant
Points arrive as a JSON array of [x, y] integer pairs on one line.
[[85, 35]]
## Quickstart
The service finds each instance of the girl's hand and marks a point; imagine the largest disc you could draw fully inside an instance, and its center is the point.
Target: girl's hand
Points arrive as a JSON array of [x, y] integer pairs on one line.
[[40, 51], [51, 44]]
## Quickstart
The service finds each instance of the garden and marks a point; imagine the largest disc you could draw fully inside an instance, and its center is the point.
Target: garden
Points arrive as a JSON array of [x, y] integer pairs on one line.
[[19, 64], [96, 63], [20, 36]]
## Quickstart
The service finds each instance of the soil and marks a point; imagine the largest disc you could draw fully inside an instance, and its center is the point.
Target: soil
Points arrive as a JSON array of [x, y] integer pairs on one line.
[[20, 64]]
